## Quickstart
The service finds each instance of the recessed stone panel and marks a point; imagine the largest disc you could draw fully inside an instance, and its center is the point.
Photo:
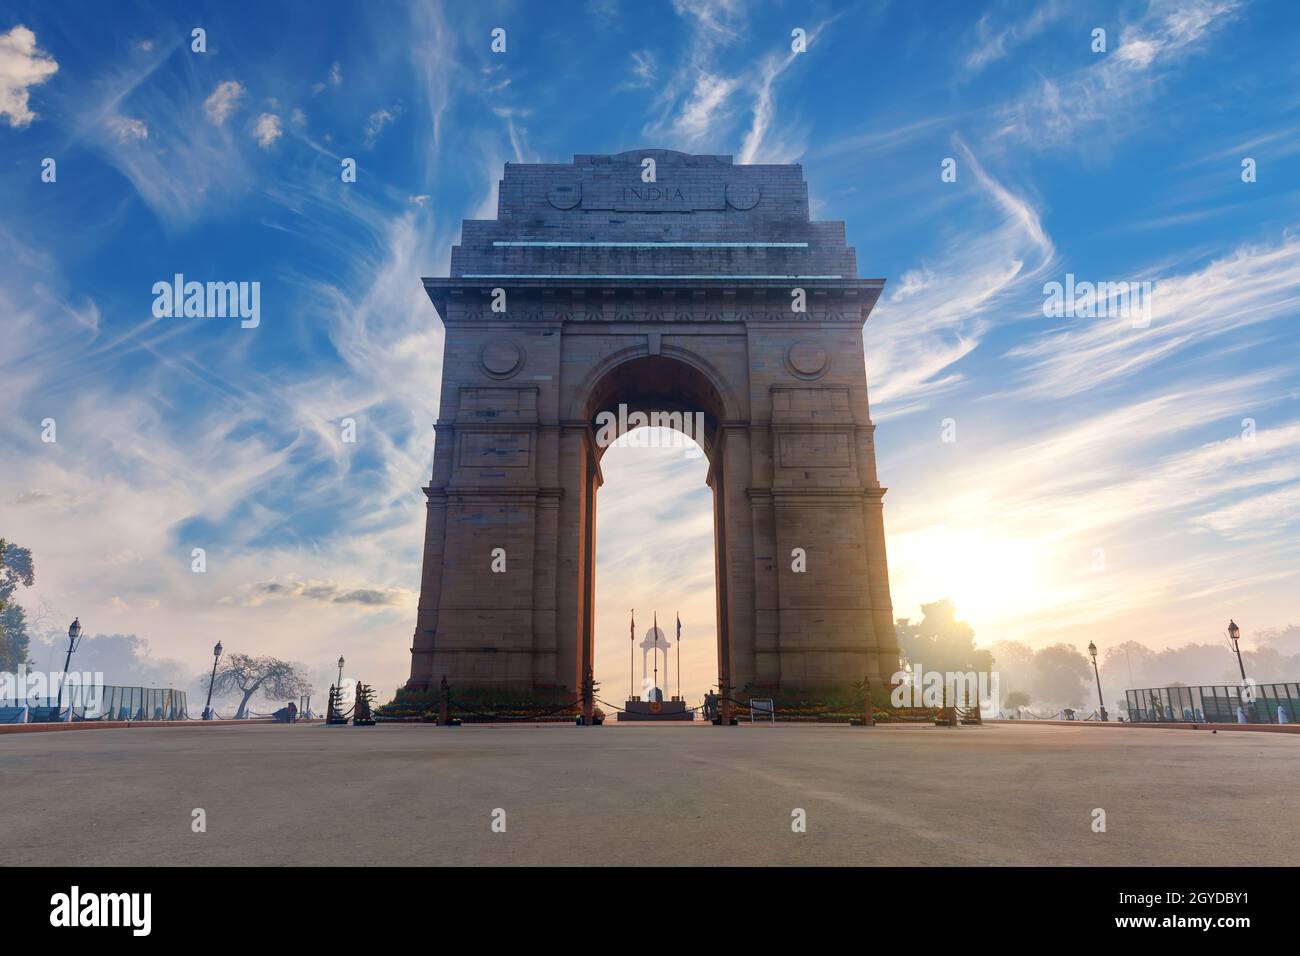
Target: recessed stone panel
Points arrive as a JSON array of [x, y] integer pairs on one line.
[[495, 449], [814, 450]]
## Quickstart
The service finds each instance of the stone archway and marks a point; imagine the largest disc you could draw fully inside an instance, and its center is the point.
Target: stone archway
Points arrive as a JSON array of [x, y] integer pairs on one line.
[[710, 290]]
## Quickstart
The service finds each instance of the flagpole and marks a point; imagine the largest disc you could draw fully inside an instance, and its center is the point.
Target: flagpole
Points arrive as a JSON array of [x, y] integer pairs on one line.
[[655, 631]]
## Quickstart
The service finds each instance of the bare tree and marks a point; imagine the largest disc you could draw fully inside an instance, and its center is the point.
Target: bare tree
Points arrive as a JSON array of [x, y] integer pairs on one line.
[[249, 676]]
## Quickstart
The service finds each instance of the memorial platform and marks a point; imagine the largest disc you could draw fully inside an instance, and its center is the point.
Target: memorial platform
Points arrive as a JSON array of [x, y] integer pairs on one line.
[[674, 709]]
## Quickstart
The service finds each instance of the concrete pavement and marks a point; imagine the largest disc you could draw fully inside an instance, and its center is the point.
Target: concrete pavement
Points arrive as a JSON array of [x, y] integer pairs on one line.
[[649, 794]]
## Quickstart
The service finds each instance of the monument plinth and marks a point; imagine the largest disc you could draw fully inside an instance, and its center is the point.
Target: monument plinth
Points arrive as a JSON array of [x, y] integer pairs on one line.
[[660, 709]]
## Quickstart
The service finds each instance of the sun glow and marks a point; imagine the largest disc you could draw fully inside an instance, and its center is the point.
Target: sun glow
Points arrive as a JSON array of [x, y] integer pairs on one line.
[[992, 580]]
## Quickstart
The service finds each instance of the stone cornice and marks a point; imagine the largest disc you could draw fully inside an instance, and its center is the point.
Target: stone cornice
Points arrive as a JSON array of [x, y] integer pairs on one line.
[[475, 294]]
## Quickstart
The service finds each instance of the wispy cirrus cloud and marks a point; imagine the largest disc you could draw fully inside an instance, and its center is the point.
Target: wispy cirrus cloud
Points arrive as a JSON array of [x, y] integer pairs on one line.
[[1079, 535], [1236, 295], [1112, 92], [995, 40], [938, 312], [758, 145], [697, 95], [643, 70]]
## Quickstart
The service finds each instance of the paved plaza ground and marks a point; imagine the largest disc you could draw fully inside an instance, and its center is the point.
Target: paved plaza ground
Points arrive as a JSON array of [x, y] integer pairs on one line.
[[649, 794]]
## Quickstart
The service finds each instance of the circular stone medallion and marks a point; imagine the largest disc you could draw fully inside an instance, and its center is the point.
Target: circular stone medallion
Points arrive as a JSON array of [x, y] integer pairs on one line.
[[564, 197], [501, 358], [806, 359], [742, 196]]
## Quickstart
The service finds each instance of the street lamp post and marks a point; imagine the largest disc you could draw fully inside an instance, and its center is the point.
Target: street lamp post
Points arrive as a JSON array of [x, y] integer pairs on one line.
[[1234, 635], [1247, 692], [340, 683], [216, 656], [74, 637], [1101, 706]]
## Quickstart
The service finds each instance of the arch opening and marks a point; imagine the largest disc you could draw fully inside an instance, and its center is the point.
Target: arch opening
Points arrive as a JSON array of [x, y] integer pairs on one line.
[[654, 541], [630, 394], [640, 398]]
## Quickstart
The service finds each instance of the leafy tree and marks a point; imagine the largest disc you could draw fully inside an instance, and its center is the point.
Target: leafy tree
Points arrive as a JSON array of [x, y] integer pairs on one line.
[[250, 676], [1128, 664], [940, 642], [1015, 700], [1015, 666], [1062, 675], [16, 568]]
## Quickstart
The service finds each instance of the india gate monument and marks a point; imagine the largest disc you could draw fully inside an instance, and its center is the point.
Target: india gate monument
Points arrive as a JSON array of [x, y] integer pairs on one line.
[[674, 285]]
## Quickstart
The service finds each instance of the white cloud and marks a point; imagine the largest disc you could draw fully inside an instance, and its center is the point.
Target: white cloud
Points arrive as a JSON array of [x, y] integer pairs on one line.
[[335, 79], [22, 66], [643, 70], [376, 122], [697, 118], [127, 129], [224, 101], [267, 130]]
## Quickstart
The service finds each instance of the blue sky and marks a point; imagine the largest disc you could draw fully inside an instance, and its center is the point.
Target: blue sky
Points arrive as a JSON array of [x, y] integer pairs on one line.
[[1102, 484]]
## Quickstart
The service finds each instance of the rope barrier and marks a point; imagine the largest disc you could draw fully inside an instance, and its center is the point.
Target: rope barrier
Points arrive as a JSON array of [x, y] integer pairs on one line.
[[478, 713], [843, 707]]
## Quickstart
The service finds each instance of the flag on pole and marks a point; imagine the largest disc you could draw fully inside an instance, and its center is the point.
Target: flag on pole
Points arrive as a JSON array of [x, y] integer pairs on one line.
[[679, 655]]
